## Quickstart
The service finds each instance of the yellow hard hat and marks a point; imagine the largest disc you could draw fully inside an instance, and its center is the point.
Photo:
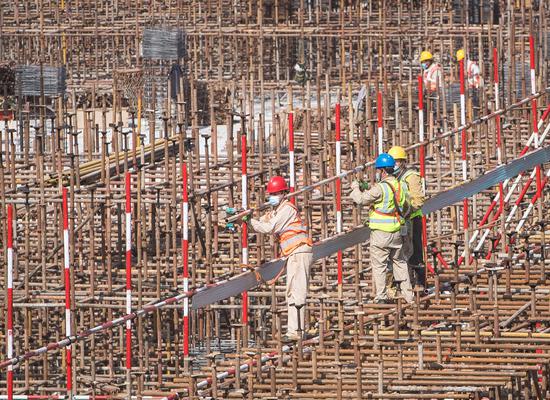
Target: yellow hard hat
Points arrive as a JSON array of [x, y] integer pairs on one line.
[[460, 55], [425, 56], [398, 153]]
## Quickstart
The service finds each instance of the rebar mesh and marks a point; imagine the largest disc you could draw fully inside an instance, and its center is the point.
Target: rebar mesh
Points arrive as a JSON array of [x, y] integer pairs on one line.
[[28, 80], [163, 43], [521, 85]]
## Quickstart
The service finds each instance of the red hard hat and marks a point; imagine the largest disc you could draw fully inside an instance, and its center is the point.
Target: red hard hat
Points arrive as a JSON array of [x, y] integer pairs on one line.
[[276, 184]]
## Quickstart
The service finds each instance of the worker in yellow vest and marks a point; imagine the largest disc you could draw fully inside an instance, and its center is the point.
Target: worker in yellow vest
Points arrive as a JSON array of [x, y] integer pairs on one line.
[[389, 204], [413, 245], [285, 223]]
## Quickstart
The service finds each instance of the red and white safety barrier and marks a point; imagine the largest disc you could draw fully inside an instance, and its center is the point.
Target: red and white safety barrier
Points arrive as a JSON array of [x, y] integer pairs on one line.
[[507, 197], [54, 346], [128, 270], [292, 172], [338, 190], [534, 108], [67, 265], [422, 156], [244, 226], [517, 203], [185, 251], [464, 143], [497, 106], [498, 143], [379, 109], [9, 336]]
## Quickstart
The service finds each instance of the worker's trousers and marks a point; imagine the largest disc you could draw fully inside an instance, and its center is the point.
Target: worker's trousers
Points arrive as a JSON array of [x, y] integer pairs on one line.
[[297, 279], [386, 248], [414, 250]]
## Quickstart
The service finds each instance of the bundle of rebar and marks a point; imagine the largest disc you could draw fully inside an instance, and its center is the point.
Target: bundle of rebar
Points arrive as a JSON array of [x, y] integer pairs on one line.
[[163, 43], [34, 80]]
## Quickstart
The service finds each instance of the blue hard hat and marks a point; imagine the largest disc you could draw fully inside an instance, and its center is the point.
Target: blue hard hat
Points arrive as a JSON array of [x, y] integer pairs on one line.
[[384, 160]]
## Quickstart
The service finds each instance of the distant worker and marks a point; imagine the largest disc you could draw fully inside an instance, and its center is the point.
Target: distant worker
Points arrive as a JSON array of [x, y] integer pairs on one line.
[[432, 72], [471, 70], [389, 206], [413, 245], [285, 222]]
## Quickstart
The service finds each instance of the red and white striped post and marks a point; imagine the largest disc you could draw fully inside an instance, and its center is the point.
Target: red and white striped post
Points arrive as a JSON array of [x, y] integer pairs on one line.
[[292, 177], [67, 265], [128, 271], [338, 193], [498, 128], [185, 251], [464, 136], [534, 108], [536, 140], [244, 232], [379, 107], [422, 156], [9, 337], [497, 106]]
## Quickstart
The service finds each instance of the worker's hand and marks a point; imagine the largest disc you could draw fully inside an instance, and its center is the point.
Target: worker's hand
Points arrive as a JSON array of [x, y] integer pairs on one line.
[[355, 185], [363, 185], [246, 218]]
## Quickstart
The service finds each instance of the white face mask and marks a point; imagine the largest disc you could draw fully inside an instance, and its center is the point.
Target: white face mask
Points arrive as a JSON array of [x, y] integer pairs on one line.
[[274, 200], [378, 176], [424, 66], [397, 169]]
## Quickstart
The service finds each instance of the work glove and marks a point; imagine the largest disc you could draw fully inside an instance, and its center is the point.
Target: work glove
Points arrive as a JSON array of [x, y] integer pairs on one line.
[[359, 184], [246, 218], [363, 185]]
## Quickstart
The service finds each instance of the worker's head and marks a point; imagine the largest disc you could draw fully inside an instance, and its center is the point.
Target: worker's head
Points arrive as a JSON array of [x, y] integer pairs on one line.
[[400, 156], [384, 165], [460, 55], [426, 59], [276, 188]]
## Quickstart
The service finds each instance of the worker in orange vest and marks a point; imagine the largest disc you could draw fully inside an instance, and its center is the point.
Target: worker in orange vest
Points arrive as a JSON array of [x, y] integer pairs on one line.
[[284, 221], [432, 72], [471, 69]]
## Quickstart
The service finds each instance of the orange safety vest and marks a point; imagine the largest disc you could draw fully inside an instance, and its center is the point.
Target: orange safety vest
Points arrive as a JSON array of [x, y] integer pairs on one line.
[[473, 74], [431, 77], [293, 235]]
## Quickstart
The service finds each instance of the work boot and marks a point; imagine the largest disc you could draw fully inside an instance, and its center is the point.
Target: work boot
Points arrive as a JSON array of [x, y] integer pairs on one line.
[[385, 301], [290, 338], [419, 275]]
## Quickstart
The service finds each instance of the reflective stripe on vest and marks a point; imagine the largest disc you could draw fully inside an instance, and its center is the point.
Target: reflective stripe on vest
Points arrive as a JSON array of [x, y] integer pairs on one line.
[[403, 179], [430, 77], [293, 235], [384, 216], [473, 73]]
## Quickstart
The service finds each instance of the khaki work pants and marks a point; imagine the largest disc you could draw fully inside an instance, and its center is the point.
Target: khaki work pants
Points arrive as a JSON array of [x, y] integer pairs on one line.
[[297, 279], [385, 248]]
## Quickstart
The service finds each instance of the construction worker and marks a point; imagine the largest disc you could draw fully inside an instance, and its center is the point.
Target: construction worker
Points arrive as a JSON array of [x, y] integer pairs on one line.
[[389, 206], [284, 221], [471, 69], [432, 72], [413, 245]]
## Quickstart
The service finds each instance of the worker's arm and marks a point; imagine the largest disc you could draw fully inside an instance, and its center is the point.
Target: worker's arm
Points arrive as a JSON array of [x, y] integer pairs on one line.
[[414, 182], [271, 221], [366, 197]]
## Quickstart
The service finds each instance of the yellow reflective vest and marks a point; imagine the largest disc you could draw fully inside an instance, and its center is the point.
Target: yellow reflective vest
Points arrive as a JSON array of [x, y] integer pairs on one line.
[[384, 216], [403, 179]]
